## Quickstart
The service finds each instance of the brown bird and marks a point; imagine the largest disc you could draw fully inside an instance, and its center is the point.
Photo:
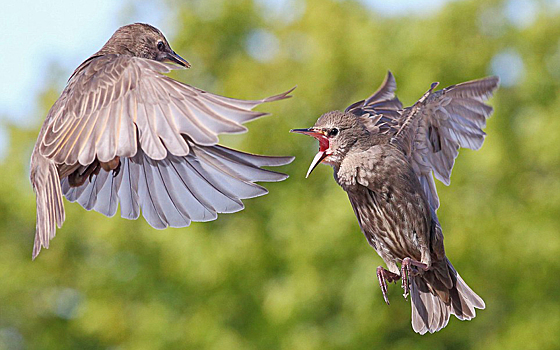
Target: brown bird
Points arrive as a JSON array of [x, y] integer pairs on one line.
[[122, 132], [384, 157]]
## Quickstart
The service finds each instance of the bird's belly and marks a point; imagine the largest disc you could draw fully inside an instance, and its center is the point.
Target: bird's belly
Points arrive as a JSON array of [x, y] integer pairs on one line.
[[389, 226]]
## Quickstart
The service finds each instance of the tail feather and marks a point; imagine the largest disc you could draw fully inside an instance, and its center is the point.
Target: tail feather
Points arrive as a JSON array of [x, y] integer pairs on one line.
[[467, 294], [50, 208], [429, 312], [432, 307]]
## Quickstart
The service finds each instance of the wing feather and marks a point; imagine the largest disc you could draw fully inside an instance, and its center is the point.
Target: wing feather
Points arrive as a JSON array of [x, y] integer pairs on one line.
[[432, 131], [178, 189], [382, 101], [128, 191], [111, 98]]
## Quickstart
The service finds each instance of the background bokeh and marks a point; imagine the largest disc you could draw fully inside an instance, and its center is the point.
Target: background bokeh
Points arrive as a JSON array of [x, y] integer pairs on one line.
[[293, 271]]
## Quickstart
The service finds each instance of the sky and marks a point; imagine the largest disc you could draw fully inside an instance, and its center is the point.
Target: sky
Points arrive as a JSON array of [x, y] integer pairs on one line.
[[37, 34]]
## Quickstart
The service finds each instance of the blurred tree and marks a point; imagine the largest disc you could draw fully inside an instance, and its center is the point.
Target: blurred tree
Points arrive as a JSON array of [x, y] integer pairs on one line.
[[293, 271]]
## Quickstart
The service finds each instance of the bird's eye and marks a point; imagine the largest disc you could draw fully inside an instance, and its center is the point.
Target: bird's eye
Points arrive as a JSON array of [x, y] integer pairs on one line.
[[333, 132], [160, 45]]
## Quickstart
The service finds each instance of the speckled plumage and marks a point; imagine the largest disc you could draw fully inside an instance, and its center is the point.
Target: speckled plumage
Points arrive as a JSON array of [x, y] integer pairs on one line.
[[384, 157]]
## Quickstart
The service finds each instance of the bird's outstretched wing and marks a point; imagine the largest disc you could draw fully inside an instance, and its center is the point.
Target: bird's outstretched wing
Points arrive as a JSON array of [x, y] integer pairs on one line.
[[382, 111], [432, 131], [113, 103], [382, 102], [178, 189], [165, 135]]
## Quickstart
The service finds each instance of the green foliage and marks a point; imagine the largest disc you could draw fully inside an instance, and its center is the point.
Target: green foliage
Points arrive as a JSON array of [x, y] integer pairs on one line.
[[293, 271]]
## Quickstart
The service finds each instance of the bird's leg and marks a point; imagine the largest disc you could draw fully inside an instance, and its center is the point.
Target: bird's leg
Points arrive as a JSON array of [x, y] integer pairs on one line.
[[111, 165], [95, 171], [114, 164], [409, 268], [77, 179], [384, 276]]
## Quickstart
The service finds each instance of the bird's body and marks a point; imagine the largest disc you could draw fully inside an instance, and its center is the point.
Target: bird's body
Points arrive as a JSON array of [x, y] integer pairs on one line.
[[384, 156], [392, 213], [122, 132]]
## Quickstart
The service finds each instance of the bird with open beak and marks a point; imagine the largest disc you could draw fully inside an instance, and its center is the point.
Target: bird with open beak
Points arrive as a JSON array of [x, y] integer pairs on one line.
[[385, 158], [324, 150], [123, 133]]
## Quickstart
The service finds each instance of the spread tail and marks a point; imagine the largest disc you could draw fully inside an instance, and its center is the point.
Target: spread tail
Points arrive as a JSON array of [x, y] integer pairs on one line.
[[436, 296], [50, 208]]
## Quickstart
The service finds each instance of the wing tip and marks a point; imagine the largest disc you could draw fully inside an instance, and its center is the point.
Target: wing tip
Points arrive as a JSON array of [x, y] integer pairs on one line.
[[484, 88], [282, 160], [281, 96], [262, 192], [390, 75], [495, 79], [279, 177], [492, 82]]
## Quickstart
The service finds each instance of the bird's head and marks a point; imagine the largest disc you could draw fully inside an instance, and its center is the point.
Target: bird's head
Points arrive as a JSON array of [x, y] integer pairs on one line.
[[142, 40], [336, 132]]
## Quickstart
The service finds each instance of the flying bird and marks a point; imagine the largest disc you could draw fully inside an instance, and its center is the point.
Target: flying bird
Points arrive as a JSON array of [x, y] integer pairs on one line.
[[123, 132], [385, 157]]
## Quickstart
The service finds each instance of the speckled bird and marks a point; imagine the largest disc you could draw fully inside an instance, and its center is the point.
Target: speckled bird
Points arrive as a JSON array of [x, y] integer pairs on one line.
[[123, 132], [385, 157]]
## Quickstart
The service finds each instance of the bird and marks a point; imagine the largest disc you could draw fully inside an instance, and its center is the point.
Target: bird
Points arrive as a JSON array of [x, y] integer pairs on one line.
[[385, 157], [123, 132]]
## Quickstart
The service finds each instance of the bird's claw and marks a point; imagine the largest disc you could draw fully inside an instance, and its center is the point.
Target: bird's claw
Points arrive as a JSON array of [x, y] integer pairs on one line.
[[117, 170], [405, 271], [384, 276], [94, 172], [409, 268]]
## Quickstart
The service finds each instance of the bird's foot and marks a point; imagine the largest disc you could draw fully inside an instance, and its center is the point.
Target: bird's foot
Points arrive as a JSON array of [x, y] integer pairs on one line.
[[77, 179], [95, 171], [384, 276], [410, 268]]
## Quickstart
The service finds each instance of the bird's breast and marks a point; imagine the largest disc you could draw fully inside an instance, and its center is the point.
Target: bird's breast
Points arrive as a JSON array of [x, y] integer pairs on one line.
[[388, 203]]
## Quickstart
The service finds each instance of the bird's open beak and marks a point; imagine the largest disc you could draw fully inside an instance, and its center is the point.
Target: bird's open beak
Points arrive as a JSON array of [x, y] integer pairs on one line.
[[323, 146], [174, 58]]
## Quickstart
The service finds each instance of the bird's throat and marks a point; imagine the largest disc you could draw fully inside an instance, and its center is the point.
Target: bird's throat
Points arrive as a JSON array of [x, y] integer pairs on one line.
[[322, 154]]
